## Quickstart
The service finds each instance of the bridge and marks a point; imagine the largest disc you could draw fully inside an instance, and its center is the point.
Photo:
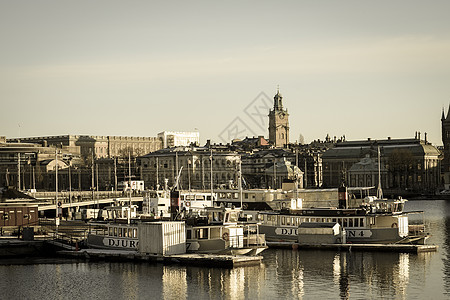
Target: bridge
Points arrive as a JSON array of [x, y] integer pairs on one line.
[[47, 201]]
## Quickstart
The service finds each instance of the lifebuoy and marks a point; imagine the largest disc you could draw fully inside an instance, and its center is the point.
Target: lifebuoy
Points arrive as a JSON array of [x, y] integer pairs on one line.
[[225, 236], [394, 225], [188, 203], [245, 206]]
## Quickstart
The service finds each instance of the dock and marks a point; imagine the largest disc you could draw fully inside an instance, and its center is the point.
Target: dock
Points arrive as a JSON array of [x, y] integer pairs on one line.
[[191, 259], [408, 248]]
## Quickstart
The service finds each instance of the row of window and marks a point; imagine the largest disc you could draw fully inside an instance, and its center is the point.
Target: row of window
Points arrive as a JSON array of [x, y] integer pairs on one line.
[[296, 221], [122, 232]]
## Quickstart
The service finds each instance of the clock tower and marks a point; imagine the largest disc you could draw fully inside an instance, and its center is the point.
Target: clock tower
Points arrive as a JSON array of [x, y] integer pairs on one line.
[[278, 123]]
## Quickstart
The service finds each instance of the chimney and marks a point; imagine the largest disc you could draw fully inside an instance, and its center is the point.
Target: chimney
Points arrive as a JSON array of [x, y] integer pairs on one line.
[[425, 137]]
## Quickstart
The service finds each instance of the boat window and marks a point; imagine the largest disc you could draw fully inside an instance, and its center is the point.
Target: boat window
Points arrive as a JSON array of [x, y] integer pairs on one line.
[[345, 222], [115, 231], [130, 232], [189, 234], [119, 231], [356, 220], [334, 220], [203, 233], [283, 220], [361, 222], [233, 217], [350, 222], [135, 233], [110, 233], [288, 221], [339, 221], [272, 219]]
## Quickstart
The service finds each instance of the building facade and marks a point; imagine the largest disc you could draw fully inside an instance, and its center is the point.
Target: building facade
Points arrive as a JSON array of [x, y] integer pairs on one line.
[[278, 123], [97, 147], [198, 167], [405, 164], [445, 123], [177, 138]]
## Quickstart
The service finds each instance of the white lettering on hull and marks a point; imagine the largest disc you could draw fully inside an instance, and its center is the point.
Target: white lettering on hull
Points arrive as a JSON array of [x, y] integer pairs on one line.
[[286, 231], [359, 233], [120, 243]]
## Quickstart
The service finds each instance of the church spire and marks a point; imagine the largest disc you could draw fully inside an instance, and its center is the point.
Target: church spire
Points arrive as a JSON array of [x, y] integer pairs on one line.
[[278, 100]]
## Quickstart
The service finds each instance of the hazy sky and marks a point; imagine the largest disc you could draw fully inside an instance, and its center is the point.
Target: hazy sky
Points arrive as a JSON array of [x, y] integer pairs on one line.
[[355, 68]]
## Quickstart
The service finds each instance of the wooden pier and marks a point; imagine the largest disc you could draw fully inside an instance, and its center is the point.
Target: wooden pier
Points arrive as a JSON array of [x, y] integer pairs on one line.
[[204, 260], [358, 247]]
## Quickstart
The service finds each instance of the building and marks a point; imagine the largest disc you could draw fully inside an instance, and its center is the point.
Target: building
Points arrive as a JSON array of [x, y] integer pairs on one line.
[[29, 166], [445, 123], [89, 146], [278, 123], [177, 138], [269, 168], [405, 164], [198, 167]]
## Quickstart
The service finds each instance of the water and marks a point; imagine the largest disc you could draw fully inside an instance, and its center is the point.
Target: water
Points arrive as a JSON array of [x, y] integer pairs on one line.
[[284, 274]]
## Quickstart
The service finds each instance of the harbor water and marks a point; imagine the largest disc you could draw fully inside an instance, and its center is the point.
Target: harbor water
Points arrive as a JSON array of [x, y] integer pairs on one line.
[[283, 274]]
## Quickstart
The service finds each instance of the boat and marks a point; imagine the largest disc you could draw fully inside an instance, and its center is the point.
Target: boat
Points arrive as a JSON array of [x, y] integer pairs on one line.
[[220, 230], [215, 230], [374, 221], [113, 236]]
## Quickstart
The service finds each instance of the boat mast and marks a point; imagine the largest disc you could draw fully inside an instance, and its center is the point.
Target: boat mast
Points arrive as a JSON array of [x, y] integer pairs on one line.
[[240, 180], [129, 187], [157, 174], [379, 190], [211, 184]]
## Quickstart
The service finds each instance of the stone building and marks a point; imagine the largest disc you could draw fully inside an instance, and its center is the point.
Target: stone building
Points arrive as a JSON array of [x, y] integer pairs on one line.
[[177, 138], [278, 123], [406, 164], [259, 168], [195, 166], [27, 166], [98, 147], [445, 123]]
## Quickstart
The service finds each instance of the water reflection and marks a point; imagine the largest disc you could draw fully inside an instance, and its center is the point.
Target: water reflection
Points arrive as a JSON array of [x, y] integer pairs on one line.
[[446, 247], [283, 274], [347, 274]]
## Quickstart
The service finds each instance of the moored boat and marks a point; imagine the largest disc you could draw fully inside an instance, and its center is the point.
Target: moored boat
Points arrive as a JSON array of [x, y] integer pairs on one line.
[[376, 221]]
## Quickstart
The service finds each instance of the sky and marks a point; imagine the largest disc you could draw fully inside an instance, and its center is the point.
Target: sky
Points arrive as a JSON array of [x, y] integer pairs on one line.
[[363, 69]]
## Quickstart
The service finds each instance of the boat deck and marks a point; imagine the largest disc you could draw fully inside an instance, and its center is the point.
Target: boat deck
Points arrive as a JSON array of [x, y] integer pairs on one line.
[[358, 247], [204, 260]]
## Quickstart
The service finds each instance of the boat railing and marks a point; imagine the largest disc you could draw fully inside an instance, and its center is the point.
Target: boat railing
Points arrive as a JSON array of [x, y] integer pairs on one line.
[[236, 241], [253, 237]]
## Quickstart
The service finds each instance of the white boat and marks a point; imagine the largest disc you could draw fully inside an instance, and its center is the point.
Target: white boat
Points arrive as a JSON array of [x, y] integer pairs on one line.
[[219, 231], [156, 203], [114, 236], [376, 221]]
